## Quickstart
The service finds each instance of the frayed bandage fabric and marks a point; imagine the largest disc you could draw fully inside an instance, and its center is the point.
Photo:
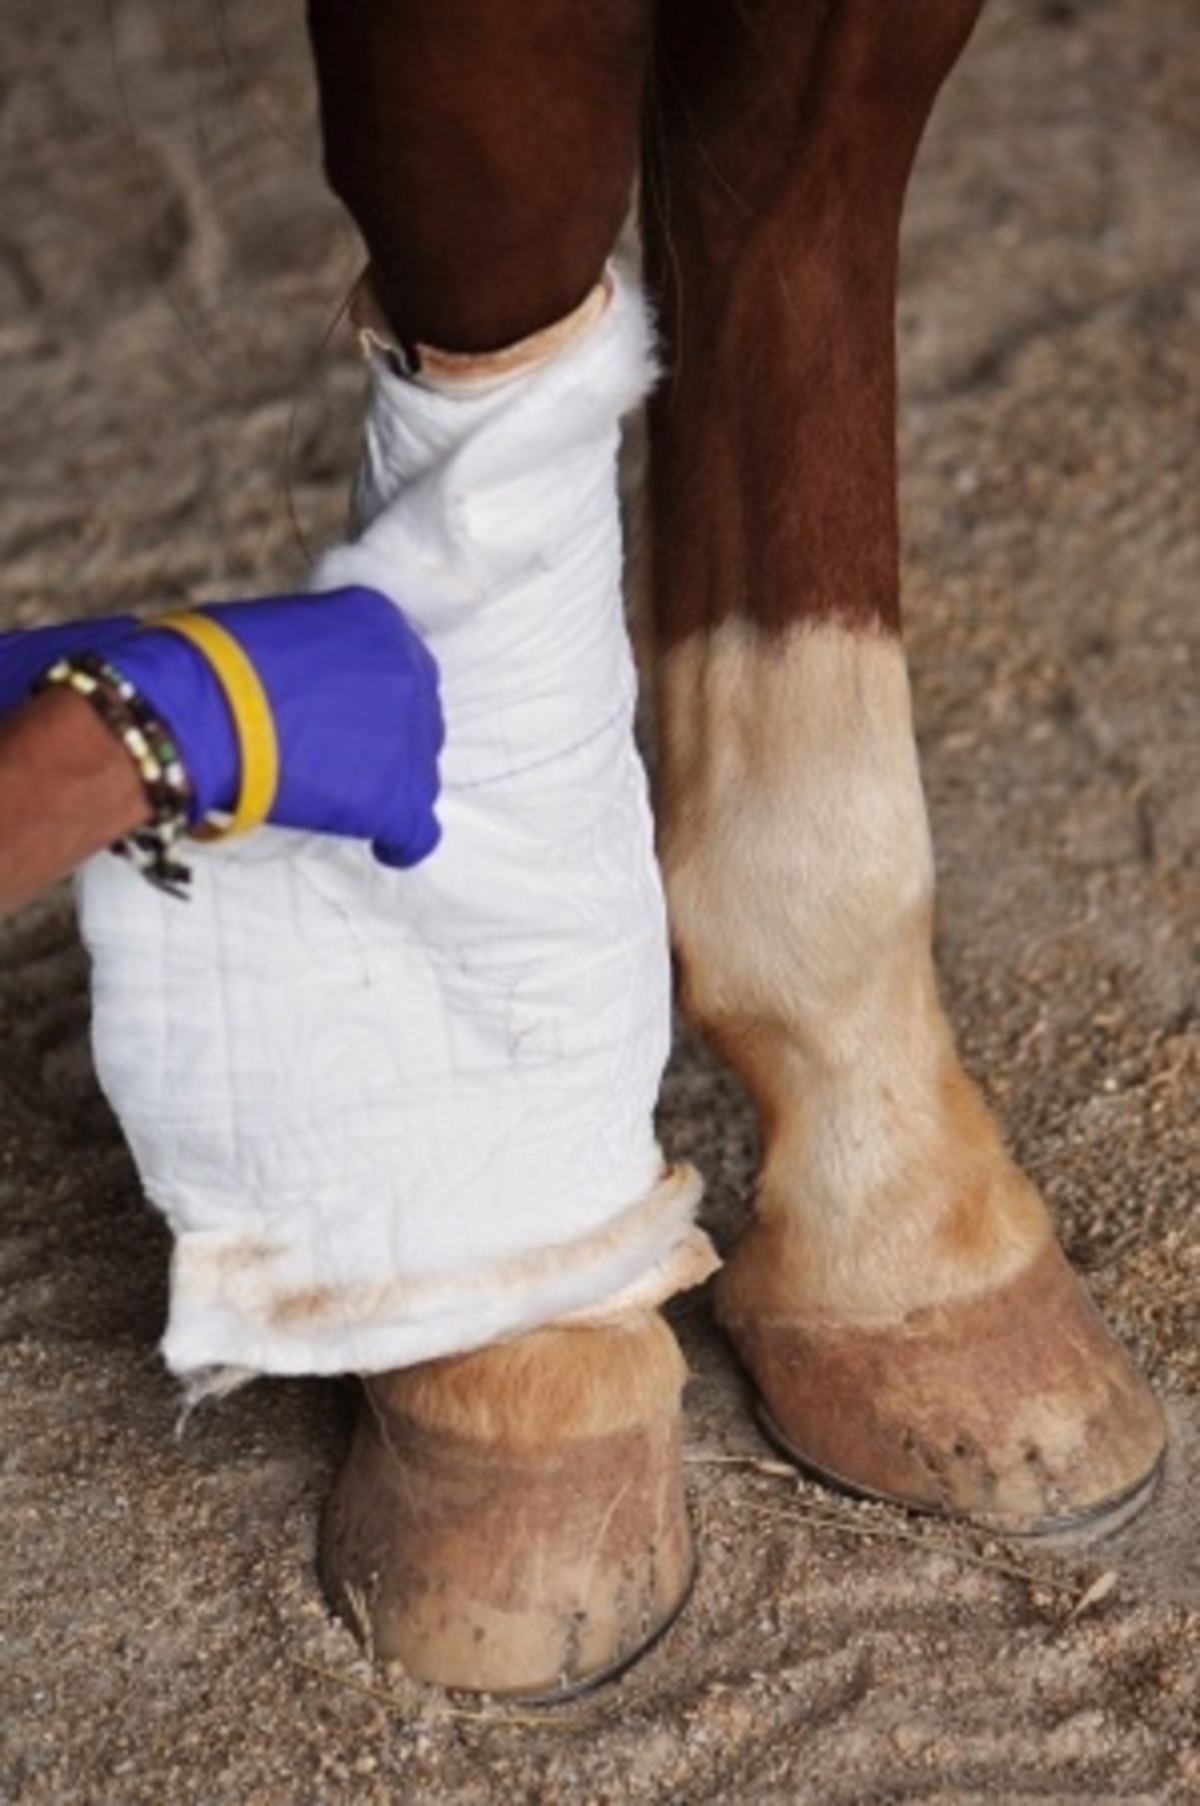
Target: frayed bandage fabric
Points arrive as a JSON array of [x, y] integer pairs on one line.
[[392, 1115]]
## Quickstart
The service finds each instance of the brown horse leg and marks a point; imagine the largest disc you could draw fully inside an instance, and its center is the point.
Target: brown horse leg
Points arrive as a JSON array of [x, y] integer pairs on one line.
[[486, 152], [510, 1519], [900, 1301]]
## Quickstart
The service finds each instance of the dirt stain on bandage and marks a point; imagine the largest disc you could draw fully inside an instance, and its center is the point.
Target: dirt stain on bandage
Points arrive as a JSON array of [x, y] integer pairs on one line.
[[685, 1261]]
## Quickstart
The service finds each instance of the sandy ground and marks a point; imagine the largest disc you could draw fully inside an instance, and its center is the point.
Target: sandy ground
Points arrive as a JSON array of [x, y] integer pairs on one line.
[[173, 426]]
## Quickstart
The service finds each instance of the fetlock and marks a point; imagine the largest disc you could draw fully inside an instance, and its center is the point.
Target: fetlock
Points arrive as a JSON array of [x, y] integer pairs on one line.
[[513, 1520], [911, 1325]]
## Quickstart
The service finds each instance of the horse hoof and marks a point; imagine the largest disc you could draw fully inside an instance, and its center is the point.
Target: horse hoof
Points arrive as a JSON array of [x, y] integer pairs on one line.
[[1017, 1410], [513, 1522]]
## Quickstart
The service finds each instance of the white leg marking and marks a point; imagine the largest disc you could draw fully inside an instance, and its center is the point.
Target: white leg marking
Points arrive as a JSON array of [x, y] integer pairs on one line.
[[800, 877]]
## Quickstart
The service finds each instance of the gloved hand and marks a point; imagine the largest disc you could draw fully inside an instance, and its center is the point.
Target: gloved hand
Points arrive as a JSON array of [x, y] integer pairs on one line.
[[25, 654], [353, 693]]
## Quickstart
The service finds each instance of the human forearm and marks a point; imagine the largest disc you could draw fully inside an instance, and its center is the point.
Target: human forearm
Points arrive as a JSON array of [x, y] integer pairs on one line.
[[67, 789]]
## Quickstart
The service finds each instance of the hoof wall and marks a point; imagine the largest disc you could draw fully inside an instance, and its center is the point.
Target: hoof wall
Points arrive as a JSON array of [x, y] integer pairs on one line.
[[481, 1556], [602, 1677], [1102, 1519], [1017, 1410]]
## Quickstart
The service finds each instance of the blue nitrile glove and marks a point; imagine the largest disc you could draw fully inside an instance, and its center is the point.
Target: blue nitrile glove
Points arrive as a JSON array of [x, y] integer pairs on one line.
[[26, 654], [353, 692]]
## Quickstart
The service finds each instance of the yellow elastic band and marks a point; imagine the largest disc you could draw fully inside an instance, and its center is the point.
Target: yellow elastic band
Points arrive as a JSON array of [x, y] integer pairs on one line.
[[253, 721]]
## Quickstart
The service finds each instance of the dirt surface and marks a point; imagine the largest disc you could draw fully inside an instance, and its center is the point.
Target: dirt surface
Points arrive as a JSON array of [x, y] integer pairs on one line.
[[172, 427]]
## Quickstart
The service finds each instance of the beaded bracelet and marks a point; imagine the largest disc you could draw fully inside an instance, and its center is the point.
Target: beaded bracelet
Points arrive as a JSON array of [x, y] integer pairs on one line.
[[164, 777]]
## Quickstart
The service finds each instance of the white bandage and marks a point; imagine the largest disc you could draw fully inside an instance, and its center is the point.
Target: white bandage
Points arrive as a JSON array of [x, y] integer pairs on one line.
[[394, 1115]]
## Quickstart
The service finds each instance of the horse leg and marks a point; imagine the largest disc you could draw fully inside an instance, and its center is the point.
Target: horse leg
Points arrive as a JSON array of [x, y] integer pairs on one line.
[[900, 1301], [485, 152], [512, 1516]]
